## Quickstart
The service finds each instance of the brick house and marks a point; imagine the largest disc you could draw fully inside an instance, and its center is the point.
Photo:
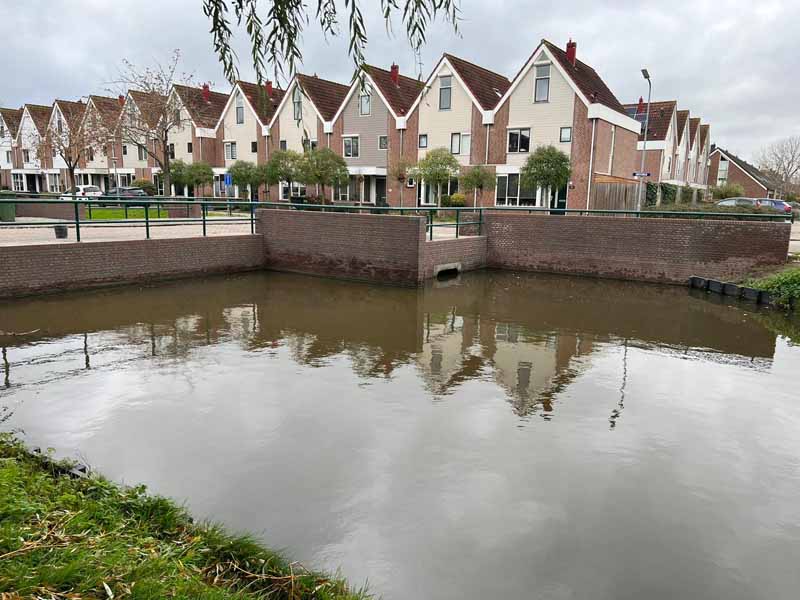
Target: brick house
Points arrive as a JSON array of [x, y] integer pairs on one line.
[[704, 149], [456, 110], [98, 167], [726, 167], [27, 173], [303, 119], [242, 131], [66, 117], [558, 100], [9, 126], [195, 138], [680, 160], [694, 152], [369, 131], [662, 137]]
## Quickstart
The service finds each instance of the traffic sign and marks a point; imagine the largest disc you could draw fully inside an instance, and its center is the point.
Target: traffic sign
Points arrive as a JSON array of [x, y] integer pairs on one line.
[[228, 179]]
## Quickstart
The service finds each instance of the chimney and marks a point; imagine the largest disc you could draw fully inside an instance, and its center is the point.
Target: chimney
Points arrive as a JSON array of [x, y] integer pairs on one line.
[[121, 100], [394, 73], [572, 50], [268, 87], [640, 108], [206, 92]]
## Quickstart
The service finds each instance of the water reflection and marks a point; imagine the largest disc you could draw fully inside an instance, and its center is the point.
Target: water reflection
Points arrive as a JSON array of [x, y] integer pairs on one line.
[[570, 438]]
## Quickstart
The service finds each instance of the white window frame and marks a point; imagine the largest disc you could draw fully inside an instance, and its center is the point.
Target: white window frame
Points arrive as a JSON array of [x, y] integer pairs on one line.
[[350, 138], [297, 189], [141, 153], [419, 140], [518, 131], [338, 191], [448, 87], [54, 183], [297, 104], [466, 144], [26, 156], [538, 201], [455, 143], [18, 182], [230, 150], [537, 78], [383, 142], [364, 95], [239, 109], [561, 135]]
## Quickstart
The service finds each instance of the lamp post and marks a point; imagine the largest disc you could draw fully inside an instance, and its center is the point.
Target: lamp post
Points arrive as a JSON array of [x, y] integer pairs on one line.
[[639, 201]]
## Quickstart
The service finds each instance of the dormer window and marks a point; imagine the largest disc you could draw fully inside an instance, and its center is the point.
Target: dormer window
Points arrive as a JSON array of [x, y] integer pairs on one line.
[[297, 104], [239, 109], [445, 92], [541, 88]]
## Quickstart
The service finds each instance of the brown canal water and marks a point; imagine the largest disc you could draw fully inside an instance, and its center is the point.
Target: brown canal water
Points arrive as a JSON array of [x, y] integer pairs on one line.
[[497, 436]]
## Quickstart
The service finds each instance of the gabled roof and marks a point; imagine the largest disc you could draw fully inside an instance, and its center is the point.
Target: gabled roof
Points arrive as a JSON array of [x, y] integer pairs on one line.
[[40, 116], [12, 117], [486, 86], [327, 96], [683, 116], [587, 79], [694, 124], [745, 166], [108, 108], [72, 112], [205, 113], [660, 118], [263, 105], [400, 96], [704, 130], [150, 105]]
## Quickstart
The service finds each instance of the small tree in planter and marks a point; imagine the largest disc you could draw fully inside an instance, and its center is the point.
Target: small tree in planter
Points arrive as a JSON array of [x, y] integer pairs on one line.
[[547, 168], [199, 174], [286, 166], [401, 171], [476, 179], [179, 174], [323, 167], [436, 169]]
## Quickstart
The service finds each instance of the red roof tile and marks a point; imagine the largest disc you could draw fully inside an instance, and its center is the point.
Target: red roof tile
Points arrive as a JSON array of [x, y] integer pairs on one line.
[[693, 125], [401, 95], [151, 106], [683, 115], [12, 117], [108, 108], [73, 112], [586, 78], [704, 130], [40, 115], [204, 113], [660, 118], [265, 106], [487, 86], [326, 95]]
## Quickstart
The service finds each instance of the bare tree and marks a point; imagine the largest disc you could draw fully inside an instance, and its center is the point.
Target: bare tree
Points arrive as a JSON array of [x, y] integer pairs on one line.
[[152, 110], [781, 160]]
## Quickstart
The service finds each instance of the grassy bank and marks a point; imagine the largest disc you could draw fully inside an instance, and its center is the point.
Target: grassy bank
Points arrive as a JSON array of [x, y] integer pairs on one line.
[[106, 214], [67, 537], [783, 286]]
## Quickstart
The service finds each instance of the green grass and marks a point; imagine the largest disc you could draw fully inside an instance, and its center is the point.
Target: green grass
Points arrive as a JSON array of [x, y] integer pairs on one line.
[[106, 214], [68, 537], [784, 286]]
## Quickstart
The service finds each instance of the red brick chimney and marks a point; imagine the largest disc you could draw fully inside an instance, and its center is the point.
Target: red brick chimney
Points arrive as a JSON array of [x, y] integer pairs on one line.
[[121, 100], [206, 92], [268, 87], [640, 108], [394, 73], [572, 51]]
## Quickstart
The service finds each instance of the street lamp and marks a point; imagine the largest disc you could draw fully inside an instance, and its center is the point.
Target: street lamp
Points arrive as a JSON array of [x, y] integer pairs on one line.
[[646, 75]]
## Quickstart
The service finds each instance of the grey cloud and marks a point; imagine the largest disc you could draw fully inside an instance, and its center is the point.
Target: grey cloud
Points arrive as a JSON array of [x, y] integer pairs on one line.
[[728, 62]]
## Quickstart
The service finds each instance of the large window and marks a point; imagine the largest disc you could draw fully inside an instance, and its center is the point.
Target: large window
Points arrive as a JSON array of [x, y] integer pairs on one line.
[[455, 143], [722, 172], [54, 183], [297, 103], [230, 150], [445, 92], [239, 109], [519, 140], [350, 146], [510, 192], [141, 149], [426, 194], [542, 86], [18, 180], [364, 104], [297, 190]]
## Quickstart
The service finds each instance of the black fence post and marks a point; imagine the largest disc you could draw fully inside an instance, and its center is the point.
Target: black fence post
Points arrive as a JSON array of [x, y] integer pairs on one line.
[[203, 212], [252, 218], [147, 220], [77, 223]]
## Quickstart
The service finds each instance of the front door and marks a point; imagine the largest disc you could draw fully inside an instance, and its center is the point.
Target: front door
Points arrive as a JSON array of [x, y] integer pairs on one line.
[[558, 201], [380, 191]]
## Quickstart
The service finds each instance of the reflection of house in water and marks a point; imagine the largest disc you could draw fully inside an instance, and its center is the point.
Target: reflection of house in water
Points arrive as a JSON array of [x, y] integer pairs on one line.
[[531, 367]]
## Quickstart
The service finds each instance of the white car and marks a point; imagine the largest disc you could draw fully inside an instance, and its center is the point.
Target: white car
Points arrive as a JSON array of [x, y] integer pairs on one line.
[[82, 191]]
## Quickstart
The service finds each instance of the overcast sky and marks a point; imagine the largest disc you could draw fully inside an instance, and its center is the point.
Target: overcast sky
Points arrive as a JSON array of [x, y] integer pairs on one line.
[[730, 63]]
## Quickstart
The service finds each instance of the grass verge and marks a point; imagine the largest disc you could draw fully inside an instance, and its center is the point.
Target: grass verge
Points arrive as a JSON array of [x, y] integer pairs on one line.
[[63, 537], [107, 214], [783, 286]]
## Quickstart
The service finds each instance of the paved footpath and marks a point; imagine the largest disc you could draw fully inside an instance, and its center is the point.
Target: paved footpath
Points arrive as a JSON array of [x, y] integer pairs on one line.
[[794, 244]]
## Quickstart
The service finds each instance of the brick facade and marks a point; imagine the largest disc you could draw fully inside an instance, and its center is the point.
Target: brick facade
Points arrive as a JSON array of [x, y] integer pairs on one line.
[[752, 189], [30, 269], [469, 253], [660, 250], [581, 151]]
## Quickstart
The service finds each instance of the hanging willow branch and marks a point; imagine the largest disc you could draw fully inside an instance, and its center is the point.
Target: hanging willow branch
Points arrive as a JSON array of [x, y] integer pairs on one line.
[[275, 37]]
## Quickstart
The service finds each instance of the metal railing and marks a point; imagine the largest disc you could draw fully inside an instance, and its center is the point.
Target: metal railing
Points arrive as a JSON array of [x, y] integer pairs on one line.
[[243, 211]]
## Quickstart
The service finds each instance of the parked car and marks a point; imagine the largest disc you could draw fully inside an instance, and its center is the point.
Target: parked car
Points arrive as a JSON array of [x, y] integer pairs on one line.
[[126, 192], [742, 202], [777, 205], [763, 203], [82, 190]]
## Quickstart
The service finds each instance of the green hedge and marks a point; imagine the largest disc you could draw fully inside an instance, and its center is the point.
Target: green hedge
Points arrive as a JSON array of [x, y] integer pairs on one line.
[[668, 193]]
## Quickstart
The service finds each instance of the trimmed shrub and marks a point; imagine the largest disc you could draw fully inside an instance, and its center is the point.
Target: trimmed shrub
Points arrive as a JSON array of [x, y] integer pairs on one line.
[[668, 193], [651, 194], [148, 186], [457, 200]]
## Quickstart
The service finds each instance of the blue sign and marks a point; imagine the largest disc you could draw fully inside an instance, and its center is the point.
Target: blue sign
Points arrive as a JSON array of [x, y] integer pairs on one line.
[[228, 179]]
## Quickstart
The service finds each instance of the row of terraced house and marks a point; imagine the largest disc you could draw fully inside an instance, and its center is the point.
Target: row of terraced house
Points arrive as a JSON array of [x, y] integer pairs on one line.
[[482, 117]]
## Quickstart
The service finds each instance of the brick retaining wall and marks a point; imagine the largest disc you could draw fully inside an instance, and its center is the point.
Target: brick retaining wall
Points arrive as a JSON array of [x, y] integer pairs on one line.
[[639, 249], [44, 210], [468, 252], [56, 267]]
